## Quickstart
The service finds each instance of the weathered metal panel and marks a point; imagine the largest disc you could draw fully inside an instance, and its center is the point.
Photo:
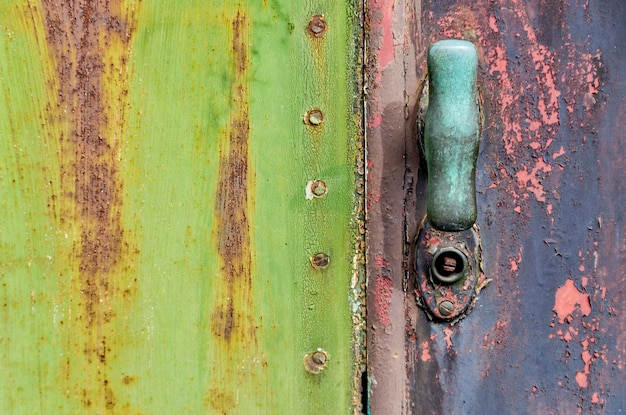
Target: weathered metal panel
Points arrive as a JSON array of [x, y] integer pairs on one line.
[[547, 336], [156, 237]]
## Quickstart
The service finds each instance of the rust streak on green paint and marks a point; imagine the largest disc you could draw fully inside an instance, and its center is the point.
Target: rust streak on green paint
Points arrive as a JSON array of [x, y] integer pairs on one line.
[[233, 317], [89, 42], [232, 203], [79, 32]]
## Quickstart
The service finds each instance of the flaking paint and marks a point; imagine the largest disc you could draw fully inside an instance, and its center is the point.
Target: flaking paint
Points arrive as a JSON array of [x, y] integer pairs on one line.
[[547, 179]]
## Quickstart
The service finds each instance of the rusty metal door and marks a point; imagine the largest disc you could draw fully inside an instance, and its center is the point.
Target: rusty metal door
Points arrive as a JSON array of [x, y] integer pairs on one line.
[[547, 336]]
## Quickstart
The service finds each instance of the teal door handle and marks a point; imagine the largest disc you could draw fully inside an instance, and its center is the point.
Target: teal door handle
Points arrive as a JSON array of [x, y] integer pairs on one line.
[[452, 135]]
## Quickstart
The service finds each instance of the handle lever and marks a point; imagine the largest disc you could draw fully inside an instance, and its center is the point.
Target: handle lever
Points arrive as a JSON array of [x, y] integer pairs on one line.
[[452, 135]]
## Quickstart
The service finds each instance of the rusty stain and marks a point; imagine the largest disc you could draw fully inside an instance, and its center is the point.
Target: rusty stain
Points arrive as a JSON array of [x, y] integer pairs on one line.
[[232, 313], [89, 42], [233, 321], [218, 400], [129, 380], [75, 30]]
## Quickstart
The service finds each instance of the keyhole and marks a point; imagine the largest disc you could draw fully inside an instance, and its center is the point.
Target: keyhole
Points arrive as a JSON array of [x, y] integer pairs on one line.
[[448, 265]]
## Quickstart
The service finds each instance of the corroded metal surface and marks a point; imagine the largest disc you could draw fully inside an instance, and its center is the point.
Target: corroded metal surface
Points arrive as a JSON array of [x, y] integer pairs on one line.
[[158, 252], [548, 334], [446, 290]]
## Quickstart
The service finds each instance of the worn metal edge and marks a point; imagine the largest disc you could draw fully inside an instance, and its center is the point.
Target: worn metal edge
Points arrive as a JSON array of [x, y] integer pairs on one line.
[[358, 282]]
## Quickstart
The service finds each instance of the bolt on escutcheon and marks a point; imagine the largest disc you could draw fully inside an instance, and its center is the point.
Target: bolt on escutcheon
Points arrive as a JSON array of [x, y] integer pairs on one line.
[[445, 308]]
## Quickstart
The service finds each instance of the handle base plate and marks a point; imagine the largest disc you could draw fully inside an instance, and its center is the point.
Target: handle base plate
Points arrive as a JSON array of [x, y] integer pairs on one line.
[[457, 256]]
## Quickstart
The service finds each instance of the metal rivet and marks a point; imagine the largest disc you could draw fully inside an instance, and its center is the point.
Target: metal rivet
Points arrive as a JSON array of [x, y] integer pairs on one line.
[[314, 116], [315, 362], [320, 261], [317, 26], [445, 308], [315, 189]]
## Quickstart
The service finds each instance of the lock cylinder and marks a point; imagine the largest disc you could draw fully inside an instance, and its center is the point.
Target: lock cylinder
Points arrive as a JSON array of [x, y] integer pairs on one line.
[[448, 266]]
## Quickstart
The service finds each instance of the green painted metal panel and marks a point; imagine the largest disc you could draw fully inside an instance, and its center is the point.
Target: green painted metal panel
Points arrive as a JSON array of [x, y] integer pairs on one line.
[[156, 236]]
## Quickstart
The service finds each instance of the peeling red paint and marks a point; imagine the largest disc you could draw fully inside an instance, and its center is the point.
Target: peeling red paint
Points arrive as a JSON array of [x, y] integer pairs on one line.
[[375, 120], [530, 179], [514, 262], [568, 299], [558, 153], [544, 99], [525, 126], [380, 261], [425, 352], [380, 23], [382, 298], [448, 332], [386, 51], [582, 377]]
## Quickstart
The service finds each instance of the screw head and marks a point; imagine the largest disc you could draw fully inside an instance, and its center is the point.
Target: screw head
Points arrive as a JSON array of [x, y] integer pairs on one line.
[[445, 308], [317, 26]]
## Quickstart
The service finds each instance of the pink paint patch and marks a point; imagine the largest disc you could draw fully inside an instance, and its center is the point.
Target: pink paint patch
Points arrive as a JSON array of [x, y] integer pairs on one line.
[[375, 120], [493, 25], [381, 262], [581, 379], [448, 332], [568, 299], [382, 299], [425, 352], [558, 153], [386, 51], [530, 179]]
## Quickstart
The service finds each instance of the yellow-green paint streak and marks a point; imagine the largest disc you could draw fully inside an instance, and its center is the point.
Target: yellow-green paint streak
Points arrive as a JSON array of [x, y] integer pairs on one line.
[[156, 239]]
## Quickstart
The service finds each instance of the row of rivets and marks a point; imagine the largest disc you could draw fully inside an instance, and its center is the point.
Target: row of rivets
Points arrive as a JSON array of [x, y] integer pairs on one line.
[[316, 361]]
